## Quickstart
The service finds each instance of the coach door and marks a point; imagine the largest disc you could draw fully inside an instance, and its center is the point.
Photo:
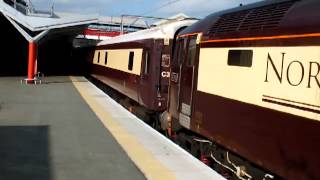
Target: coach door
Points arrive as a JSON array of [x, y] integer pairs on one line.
[[187, 81]]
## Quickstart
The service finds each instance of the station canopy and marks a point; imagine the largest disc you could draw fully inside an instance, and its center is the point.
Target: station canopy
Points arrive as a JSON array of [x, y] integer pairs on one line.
[[34, 24]]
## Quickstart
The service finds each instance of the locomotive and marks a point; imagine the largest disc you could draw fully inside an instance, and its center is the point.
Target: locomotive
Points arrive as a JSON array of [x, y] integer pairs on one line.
[[240, 88], [245, 89]]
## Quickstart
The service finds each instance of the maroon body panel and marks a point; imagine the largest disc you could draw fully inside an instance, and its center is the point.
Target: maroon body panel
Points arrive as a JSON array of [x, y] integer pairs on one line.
[[282, 143], [123, 82], [147, 89]]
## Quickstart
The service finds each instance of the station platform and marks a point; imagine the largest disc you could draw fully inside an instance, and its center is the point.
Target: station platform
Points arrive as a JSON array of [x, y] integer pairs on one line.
[[68, 129]]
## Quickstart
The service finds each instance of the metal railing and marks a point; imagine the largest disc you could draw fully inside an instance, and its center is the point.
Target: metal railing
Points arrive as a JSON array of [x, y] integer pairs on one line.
[[26, 7]]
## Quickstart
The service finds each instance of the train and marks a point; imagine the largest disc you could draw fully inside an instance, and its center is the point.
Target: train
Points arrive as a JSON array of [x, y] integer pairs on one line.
[[137, 64], [240, 89]]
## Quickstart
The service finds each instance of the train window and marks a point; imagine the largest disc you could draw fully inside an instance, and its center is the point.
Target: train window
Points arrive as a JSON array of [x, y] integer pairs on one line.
[[181, 55], [98, 60], [130, 64], [176, 54], [240, 58], [146, 62], [192, 49], [179, 52], [106, 58]]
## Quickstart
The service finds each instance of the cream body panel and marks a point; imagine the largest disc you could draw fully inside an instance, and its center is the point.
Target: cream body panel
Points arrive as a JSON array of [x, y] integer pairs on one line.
[[247, 84], [95, 57], [119, 59]]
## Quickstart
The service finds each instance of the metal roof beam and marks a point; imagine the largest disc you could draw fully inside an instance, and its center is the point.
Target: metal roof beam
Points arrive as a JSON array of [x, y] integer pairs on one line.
[[22, 31], [41, 35], [25, 34]]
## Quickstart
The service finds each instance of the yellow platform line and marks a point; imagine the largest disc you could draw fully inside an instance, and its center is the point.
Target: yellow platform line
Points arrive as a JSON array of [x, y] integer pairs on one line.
[[143, 158]]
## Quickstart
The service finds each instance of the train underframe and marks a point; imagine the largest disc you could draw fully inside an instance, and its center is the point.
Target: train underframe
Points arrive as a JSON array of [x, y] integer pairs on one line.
[[225, 162]]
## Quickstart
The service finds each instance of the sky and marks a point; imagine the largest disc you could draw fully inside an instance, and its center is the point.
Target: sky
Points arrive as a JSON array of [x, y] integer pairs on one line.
[[158, 8]]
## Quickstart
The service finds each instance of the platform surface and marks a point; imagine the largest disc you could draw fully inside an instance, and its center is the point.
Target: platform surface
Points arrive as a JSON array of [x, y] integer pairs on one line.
[[67, 129], [48, 132]]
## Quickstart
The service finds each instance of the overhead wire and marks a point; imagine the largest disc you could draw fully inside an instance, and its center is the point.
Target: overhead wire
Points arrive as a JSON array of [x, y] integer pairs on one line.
[[160, 7]]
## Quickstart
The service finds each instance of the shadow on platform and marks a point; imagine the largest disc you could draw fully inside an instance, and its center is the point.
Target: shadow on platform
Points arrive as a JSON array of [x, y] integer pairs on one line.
[[24, 153]]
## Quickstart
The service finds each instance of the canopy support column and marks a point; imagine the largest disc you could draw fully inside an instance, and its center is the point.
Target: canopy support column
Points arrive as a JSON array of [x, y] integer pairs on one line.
[[32, 61]]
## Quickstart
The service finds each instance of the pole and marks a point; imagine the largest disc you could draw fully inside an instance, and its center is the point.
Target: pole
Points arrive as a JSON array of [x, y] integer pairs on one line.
[[32, 61], [121, 25]]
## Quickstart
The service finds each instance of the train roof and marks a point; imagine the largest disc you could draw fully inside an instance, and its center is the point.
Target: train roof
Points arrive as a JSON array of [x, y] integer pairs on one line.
[[159, 32], [270, 17]]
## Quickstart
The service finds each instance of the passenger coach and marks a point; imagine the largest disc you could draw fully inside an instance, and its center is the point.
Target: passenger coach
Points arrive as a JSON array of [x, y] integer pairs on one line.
[[138, 64]]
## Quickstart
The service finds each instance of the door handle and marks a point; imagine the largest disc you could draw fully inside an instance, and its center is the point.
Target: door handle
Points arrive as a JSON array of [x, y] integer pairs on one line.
[[192, 84]]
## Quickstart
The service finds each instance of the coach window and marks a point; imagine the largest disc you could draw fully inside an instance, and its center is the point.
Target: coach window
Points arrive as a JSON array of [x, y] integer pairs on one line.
[[106, 58], [130, 64], [98, 57], [146, 62], [241, 58], [192, 49], [181, 53], [176, 54]]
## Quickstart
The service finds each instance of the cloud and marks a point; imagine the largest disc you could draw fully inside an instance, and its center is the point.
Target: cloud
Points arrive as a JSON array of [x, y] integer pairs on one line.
[[194, 8], [104, 7], [63, 1], [77, 6], [200, 8]]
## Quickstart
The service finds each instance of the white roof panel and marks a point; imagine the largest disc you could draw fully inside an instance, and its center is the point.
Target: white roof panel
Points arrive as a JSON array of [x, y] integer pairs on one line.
[[159, 32]]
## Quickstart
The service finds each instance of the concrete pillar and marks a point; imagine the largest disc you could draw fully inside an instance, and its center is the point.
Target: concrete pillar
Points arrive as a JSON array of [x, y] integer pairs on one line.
[[32, 61]]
